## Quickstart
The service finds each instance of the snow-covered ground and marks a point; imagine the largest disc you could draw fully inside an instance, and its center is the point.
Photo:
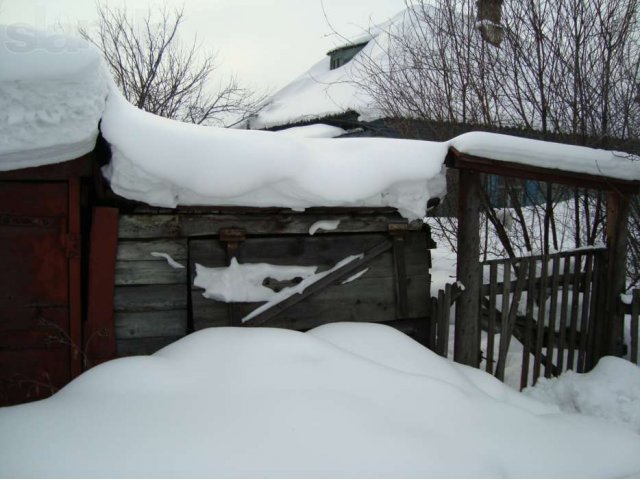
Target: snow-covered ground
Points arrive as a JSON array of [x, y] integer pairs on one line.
[[344, 400]]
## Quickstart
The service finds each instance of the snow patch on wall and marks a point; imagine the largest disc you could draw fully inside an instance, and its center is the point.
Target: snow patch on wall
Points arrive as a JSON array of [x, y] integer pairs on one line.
[[324, 225]]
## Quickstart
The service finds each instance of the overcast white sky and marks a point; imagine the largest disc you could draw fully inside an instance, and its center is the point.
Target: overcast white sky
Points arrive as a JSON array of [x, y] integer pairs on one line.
[[267, 43]]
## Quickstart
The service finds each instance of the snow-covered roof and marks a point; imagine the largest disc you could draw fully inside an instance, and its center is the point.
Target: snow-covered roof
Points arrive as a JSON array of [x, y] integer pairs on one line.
[[321, 92], [52, 94], [341, 401], [549, 155], [167, 163], [53, 101]]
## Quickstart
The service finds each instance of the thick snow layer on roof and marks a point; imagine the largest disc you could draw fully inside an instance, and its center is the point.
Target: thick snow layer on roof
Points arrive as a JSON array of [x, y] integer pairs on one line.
[[537, 153], [344, 400], [317, 130], [321, 92], [52, 94], [167, 163]]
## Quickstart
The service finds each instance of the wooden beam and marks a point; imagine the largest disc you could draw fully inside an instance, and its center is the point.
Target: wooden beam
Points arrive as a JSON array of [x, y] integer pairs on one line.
[[99, 329], [618, 206], [468, 271], [74, 253], [321, 284], [463, 161]]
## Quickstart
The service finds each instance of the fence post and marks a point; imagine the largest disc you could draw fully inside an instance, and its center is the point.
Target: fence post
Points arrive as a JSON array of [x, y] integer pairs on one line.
[[467, 335], [617, 218]]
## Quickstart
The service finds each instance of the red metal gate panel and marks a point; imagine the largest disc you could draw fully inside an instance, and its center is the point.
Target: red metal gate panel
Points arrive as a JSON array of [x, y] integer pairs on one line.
[[35, 330]]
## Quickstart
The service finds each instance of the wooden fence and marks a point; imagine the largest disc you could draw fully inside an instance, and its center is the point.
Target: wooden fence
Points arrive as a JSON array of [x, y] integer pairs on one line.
[[552, 304]]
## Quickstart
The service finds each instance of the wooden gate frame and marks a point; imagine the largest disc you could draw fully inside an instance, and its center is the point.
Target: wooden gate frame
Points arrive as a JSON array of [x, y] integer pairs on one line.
[[471, 169]]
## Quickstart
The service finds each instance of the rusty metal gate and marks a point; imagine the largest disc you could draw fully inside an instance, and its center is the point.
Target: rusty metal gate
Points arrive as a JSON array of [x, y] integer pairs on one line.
[[39, 288]]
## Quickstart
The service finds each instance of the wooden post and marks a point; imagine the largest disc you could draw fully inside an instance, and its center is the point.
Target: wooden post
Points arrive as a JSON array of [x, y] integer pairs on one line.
[[467, 335], [617, 218], [99, 329]]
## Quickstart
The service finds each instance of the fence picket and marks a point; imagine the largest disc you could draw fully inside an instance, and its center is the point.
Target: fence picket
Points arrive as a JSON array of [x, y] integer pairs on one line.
[[526, 350], [555, 280], [635, 312], [491, 323], [584, 317], [564, 308]]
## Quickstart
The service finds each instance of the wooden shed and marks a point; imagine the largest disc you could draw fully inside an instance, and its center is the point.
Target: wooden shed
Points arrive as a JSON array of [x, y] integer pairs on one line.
[[41, 260], [87, 280]]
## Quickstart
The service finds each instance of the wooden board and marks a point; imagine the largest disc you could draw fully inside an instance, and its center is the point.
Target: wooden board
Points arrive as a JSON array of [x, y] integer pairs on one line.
[[192, 225], [364, 300]]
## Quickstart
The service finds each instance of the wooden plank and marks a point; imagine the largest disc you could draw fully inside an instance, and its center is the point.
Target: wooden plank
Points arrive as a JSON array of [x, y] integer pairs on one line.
[[468, 271], [575, 299], [99, 333], [315, 251], [433, 324], [505, 339], [528, 335], [400, 276], [369, 300], [442, 307], [475, 165], [555, 283], [564, 307], [142, 346], [618, 207], [503, 348], [172, 225], [591, 355], [75, 277], [149, 273], [542, 293], [448, 293], [150, 298], [635, 313], [135, 250], [79, 167], [491, 326], [340, 274], [167, 323], [584, 316]]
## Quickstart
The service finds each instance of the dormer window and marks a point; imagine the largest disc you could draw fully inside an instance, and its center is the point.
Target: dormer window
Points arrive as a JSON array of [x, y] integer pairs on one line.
[[343, 55]]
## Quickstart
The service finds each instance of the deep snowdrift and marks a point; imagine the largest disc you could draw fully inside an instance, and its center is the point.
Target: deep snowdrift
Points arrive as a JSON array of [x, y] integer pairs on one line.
[[343, 400], [52, 94]]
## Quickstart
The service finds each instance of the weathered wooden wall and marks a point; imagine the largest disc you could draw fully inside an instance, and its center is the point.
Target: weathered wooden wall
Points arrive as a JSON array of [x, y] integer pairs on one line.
[[156, 304]]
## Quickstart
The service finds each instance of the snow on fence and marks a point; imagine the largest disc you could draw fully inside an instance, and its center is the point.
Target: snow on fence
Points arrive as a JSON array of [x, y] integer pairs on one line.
[[633, 311], [553, 305]]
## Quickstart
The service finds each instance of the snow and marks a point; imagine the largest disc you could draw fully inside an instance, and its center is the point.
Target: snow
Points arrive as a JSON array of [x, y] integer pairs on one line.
[[244, 282], [344, 400], [324, 225], [317, 130], [285, 293], [172, 263], [552, 155], [52, 94], [611, 391], [167, 163], [355, 276]]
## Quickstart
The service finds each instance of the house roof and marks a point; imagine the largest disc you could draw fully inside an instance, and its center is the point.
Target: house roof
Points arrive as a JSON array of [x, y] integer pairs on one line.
[[322, 92]]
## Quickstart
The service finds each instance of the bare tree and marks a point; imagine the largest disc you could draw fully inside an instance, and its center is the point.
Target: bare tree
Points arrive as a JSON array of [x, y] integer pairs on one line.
[[561, 70], [158, 74]]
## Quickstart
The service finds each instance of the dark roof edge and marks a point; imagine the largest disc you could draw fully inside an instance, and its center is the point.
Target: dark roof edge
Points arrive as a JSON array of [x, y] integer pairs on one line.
[[346, 47]]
